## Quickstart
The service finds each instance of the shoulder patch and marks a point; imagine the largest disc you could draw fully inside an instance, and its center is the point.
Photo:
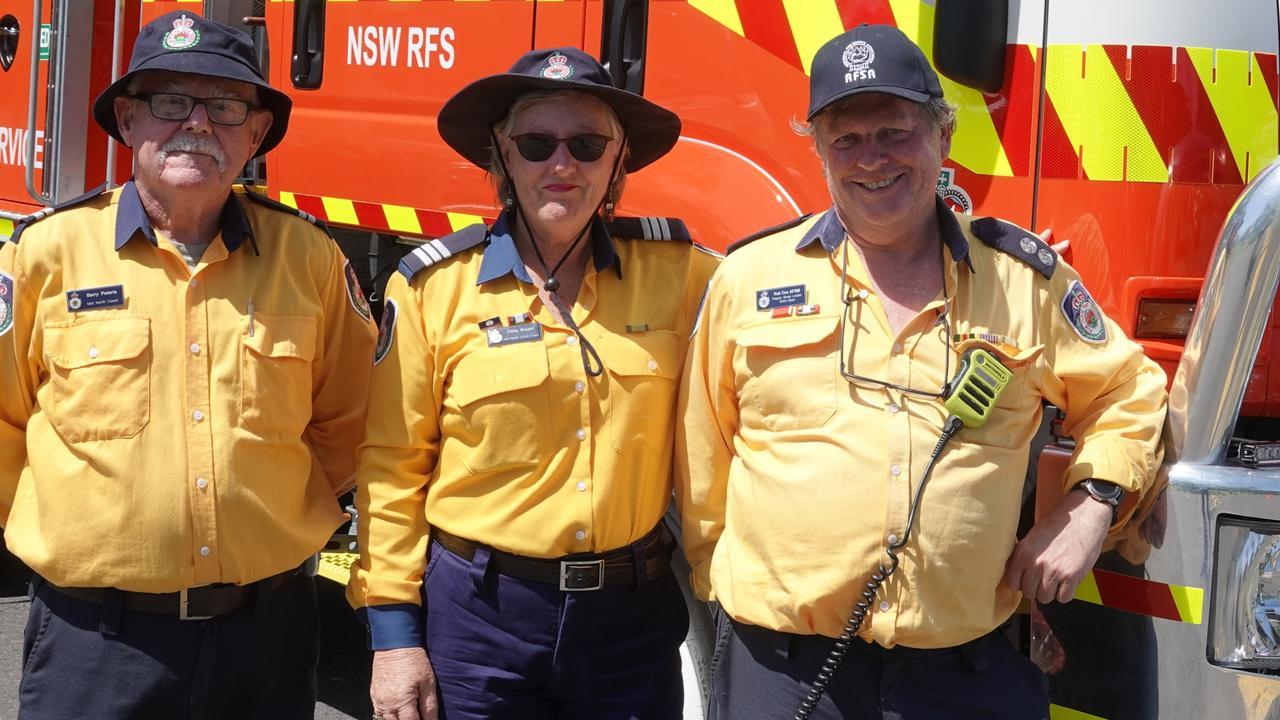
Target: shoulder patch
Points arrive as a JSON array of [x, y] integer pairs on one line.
[[650, 228], [1013, 240], [739, 244], [7, 302], [267, 202], [435, 251], [386, 331], [1082, 314], [43, 213]]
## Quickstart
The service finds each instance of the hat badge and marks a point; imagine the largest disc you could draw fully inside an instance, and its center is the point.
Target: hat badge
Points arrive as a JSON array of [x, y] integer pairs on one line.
[[858, 56], [182, 36], [557, 68]]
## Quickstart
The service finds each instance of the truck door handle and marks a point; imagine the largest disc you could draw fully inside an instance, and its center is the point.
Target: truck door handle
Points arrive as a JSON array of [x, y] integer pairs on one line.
[[624, 42], [9, 35], [307, 68]]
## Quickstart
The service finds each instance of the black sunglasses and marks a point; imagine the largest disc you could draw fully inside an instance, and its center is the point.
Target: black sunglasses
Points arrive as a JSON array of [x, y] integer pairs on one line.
[[176, 106], [538, 147]]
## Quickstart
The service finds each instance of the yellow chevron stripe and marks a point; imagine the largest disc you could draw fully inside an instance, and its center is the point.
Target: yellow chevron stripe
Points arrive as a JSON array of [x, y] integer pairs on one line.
[[6, 227], [288, 199], [724, 12], [1245, 111], [813, 23], [1098, 115], [340, 211], [402, 219], [1190, 602], [457, 221], [1088, 590], [976, 145], [1057, 712]]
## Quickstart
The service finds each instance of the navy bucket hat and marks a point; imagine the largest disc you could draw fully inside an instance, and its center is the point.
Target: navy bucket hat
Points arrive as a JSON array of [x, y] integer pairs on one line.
[[870, 58], [188, 43], [466, 119]]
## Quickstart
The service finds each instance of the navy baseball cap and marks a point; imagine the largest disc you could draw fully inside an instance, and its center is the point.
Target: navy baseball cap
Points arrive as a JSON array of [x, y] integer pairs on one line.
[[870, 58], [466, 119], [188, 43]]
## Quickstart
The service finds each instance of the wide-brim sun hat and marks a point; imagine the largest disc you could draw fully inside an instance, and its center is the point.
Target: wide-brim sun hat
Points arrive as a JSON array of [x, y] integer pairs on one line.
[[467, 119], [188, 43]]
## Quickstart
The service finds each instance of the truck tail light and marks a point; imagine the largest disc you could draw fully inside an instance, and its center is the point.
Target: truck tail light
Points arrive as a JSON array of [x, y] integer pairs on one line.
[[1244, 630], [1164, 318]]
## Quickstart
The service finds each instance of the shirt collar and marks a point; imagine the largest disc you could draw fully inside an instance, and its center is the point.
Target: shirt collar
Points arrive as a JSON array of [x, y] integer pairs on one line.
[[131, 218], [830, 232], [501, 256]]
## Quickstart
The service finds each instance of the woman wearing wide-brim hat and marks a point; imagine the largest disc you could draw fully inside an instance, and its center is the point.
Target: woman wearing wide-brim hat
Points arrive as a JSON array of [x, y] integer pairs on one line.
[[517, 460]]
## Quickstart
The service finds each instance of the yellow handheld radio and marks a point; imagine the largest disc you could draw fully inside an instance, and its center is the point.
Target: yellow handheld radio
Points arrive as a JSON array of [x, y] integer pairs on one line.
[[978, 384]]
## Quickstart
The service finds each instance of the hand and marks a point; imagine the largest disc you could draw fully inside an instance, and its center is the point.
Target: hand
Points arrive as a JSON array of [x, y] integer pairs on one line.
[[1054, 557], [1059, 247], [403, 686]]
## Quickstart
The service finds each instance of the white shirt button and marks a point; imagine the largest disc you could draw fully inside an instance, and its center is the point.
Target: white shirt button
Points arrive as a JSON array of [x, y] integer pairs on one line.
[[571, 340], [581, 534], [204, 551], [862, 294], [93, 352], [897, 348], [894, 470], [195, 348], [884, 605], [582, 434], [202, 483], [579, 386], [893, 538], [582, 486], [197, 415], [653, 365], [893, 408]]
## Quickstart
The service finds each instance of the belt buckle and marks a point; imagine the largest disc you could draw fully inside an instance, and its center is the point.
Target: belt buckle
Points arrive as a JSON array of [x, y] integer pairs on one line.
[[182, 608], [567, 565]]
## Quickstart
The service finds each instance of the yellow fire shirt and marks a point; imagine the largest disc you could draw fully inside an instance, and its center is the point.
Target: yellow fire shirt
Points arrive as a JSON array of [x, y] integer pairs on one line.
[[483, 421], [167, 428], [791, 479]]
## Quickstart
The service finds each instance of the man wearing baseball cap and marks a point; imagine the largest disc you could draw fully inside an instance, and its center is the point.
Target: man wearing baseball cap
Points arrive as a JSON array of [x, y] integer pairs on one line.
[[860, 541], [189, 364]]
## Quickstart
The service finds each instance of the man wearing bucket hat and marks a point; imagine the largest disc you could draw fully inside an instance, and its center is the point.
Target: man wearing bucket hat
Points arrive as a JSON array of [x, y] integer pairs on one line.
[[191, 364], [813, 414], [517, 458]]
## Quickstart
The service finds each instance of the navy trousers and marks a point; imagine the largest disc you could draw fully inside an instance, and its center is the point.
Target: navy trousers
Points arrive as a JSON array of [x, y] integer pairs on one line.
[[509, 649], [82, 660], [761, 674]]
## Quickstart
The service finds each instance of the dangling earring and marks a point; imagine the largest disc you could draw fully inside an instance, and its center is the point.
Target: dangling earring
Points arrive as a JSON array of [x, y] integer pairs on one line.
[[610, 202], [506, 195]]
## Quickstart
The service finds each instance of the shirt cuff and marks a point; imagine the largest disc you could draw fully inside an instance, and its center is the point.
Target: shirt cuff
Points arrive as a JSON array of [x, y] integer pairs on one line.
[[393, 626], [1117, 460]]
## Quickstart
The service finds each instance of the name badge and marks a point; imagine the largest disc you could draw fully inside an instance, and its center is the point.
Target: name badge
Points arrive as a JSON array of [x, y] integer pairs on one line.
[[780, 297], [528, 332], [98, 298]]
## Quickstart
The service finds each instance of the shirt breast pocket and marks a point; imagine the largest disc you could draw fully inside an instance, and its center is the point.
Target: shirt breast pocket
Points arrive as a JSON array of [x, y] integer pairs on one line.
[[791, 373], [99, 385], [503, 408], [275, 374], [642, 389]]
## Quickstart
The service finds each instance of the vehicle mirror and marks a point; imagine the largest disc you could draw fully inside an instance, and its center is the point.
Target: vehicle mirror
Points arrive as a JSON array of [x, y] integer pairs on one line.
[[969, 41]]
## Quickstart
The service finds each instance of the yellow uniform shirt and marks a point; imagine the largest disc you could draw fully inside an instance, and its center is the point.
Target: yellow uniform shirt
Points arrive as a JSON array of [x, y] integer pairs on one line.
[[483, 421], [791, 480], [160, 434]]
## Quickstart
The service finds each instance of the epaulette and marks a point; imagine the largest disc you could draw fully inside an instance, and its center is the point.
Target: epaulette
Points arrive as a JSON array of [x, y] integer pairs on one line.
[[43, 213], [650, 228], [265, 201], [739, 244], [1022, 244], [435, 251]]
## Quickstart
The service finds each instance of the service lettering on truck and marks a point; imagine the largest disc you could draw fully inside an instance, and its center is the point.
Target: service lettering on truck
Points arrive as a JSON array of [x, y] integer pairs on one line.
[[13, 147], [373, 45]]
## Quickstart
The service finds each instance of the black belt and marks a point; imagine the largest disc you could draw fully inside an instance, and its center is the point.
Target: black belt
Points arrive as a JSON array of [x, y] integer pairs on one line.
[[575, 573], [197, 603]]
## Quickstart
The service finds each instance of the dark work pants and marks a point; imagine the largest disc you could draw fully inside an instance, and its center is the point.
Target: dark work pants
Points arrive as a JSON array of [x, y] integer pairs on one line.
[[760, 674], [81, 660], [509, 649]]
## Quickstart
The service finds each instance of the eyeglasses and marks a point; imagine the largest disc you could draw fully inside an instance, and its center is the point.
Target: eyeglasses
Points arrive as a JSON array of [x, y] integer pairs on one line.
[[538, 147], [176, 106], [847, 373]]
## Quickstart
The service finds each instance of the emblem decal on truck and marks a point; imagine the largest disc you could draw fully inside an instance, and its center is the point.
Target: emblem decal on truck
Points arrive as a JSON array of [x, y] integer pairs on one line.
[[182, 36]]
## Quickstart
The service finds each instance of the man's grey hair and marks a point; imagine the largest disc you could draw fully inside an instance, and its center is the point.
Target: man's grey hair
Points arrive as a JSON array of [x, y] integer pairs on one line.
[[938, 113]]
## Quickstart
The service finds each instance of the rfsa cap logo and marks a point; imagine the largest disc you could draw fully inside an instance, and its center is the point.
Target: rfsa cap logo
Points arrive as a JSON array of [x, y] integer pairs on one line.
[[858, 58], [182, 36], [557, 68]]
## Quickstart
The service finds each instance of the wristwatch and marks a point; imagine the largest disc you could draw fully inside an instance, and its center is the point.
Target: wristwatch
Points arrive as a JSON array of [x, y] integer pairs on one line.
[[1104, 492]]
